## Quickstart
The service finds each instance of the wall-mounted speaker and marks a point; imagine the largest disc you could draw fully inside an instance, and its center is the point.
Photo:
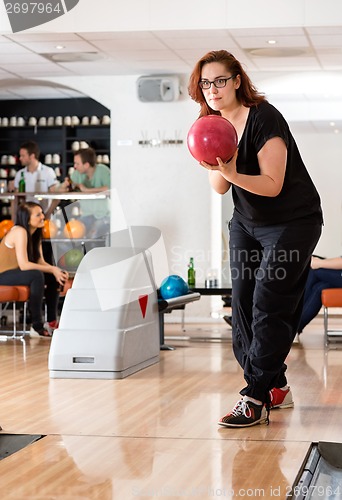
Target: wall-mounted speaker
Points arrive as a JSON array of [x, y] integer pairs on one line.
[[158, 88]]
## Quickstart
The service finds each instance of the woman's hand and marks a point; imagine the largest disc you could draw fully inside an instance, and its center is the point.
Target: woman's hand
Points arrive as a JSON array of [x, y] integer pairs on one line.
[[221, 175], [330, 263], [227, 170], [60, 274], [315, 262]]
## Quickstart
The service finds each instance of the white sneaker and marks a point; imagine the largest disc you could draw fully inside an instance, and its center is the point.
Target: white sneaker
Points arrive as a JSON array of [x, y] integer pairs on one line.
[[43, 333]]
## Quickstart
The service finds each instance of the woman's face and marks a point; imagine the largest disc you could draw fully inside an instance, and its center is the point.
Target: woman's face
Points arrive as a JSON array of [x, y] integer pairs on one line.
[[222, 98], [37, 218]]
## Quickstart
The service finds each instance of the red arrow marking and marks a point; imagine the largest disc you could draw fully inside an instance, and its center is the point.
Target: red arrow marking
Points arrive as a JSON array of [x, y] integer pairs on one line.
[[143, 299]]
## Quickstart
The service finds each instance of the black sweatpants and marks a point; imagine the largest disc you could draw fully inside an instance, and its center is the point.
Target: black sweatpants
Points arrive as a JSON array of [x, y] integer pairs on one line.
[[40, 284], [269, 268]]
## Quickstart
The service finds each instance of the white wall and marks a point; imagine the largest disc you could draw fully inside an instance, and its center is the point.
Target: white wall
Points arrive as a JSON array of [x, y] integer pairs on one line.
[[322, 153]]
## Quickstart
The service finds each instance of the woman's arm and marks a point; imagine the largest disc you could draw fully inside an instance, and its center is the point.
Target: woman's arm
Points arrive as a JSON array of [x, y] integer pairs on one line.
[[272, 163], [19, 241], [218, 182], [333, 263]]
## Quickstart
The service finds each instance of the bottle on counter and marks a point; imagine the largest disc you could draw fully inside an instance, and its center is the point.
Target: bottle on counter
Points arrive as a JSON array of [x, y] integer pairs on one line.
[[22, 184], [71, 188], [191, 273]]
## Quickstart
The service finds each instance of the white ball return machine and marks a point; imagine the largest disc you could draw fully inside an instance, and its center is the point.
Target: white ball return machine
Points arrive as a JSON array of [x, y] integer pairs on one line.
[[110, 322]]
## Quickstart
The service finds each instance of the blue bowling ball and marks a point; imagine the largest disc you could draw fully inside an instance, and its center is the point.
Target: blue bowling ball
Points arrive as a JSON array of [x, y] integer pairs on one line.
[[173, 286]]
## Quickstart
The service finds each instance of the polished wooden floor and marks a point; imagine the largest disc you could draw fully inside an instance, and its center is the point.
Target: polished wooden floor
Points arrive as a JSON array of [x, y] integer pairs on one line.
[[155, 433]]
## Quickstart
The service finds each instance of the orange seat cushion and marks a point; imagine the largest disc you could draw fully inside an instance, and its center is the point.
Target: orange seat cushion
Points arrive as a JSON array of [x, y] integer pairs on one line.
[[8, 293], [24, 292], [332, 297]]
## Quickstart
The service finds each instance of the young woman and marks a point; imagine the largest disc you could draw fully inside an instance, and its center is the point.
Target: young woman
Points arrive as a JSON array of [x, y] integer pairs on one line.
[[22, 263], [274, 229]]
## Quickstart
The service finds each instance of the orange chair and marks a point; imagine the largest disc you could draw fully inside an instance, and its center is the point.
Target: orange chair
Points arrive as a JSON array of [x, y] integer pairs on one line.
[[15, 294], [331, 297]]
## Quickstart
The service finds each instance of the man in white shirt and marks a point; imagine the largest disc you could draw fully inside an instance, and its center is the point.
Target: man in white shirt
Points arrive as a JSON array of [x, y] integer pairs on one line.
[[38, 177]]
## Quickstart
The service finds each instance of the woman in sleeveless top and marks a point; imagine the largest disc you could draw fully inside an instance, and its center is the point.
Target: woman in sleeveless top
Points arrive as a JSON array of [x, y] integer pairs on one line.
[[22, 263]]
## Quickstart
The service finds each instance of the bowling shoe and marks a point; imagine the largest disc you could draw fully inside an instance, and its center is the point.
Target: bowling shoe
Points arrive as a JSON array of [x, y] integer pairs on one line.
[[50, 326], [281, 398], [245, 414]]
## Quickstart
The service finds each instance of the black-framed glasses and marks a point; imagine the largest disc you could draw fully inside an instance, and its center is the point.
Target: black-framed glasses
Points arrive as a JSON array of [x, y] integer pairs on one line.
[[219, 83]]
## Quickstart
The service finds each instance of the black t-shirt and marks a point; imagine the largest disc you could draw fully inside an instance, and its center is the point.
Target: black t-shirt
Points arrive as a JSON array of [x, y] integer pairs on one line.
[[298, 198]]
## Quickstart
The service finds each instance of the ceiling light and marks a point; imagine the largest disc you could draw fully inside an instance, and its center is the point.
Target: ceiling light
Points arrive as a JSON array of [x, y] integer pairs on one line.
[[271, 42], [60, 57], [278, 52], [60, 47]]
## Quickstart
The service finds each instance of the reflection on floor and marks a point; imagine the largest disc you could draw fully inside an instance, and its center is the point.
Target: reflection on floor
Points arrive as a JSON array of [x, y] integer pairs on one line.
[[155, 433]]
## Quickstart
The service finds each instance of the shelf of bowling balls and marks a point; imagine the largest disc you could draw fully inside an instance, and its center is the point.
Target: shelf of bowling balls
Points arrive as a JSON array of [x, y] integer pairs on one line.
[[13, 198], [6, 202]]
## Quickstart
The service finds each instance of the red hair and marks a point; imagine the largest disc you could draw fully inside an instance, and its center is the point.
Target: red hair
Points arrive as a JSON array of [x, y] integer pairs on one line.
[[246, 94]]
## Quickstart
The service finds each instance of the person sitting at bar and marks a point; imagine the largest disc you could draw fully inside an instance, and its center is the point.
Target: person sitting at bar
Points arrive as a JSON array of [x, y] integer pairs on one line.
[[90, 177], [39, 178]]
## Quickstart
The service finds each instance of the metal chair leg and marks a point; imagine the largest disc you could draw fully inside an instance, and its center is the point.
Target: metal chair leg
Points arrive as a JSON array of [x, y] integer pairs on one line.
[[14, 334], [24, 319], [326, 338]]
